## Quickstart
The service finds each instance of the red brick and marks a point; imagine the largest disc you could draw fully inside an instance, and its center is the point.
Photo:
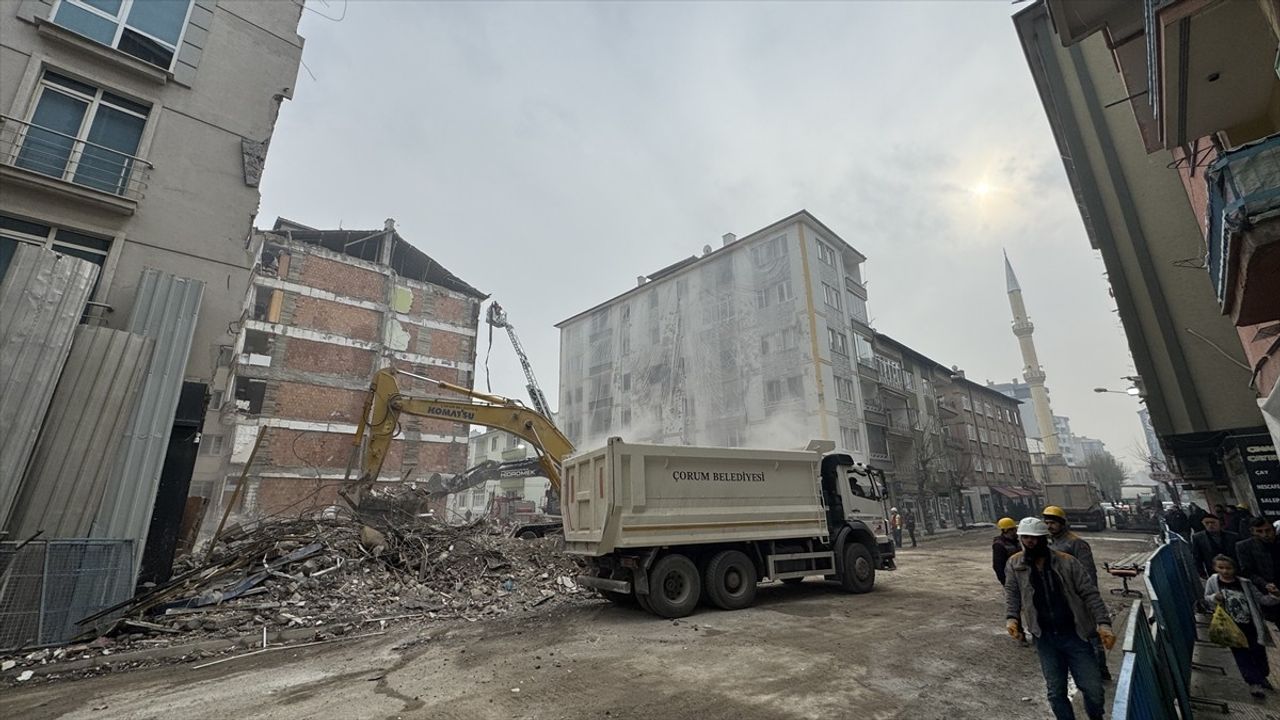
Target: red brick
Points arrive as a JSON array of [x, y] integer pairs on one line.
[[306, 448], [336, 318], [317, 357], [317, 403], [297, 496], [450, 346], [340, 278], [454, 310]]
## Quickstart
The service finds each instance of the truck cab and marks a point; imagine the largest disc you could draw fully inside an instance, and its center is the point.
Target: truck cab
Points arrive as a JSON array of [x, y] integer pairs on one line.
[[855, 500]]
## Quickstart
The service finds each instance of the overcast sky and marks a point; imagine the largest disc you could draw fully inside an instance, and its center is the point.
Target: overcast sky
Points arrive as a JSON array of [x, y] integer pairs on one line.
[[550, 153]]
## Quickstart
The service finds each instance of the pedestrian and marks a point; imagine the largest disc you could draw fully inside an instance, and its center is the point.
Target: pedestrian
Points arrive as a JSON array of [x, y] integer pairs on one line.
[[1176, 520], [1195, 515], [1258, 557], [1062, 539], [1049, 594], [895, 524], [1241, 599], [1212, 542], [1004, 546], [910, 520], [1240, 519]]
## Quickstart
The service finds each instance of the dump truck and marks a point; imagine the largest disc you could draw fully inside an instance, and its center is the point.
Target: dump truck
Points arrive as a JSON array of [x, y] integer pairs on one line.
[[667, 526], [1081, 502]]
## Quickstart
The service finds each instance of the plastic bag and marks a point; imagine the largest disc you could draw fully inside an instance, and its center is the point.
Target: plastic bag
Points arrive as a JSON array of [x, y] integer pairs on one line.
[[1225, 632]]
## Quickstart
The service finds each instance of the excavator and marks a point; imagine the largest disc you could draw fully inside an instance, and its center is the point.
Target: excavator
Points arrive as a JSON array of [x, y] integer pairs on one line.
[[381, 416]]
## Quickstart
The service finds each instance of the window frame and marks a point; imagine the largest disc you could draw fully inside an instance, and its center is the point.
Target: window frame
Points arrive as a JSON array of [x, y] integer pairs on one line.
[[50, 241], [826, 254], [121, 20], [828, 294], [841, 347]]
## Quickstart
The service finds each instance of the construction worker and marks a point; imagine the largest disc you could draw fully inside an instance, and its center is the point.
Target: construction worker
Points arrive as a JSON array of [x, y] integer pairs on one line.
[[1004, 546], [1049, 595], [895, 524], [1062, 539]]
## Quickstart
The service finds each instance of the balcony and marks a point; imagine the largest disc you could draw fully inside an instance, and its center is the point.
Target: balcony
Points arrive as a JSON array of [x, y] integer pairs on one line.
[[855, 287], [1244, 224], [48, 160]]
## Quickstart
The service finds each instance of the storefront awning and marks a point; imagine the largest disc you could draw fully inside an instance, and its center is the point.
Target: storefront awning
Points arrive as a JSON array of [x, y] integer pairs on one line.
[[1008, 492]]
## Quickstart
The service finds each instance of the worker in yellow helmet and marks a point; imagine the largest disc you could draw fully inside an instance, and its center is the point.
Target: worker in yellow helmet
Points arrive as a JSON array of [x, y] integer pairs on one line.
[[1004, 546], [1061, 539]]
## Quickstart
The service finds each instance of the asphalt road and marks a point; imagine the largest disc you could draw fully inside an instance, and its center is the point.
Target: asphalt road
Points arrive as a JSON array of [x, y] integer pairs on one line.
[[929, 642]]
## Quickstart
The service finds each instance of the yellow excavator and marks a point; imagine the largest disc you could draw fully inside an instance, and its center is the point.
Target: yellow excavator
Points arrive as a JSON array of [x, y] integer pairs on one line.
[[385, 404]]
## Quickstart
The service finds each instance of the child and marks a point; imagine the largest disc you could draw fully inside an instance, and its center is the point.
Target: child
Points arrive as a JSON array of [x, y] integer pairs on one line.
[[1241, 599]]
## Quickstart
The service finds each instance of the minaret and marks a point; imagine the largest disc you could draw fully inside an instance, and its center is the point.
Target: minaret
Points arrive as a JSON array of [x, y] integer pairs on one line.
[[1031, 370]]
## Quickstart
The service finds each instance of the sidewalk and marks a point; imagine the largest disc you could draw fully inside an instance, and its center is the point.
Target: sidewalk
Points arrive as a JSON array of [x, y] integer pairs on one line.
[[1216, 679]]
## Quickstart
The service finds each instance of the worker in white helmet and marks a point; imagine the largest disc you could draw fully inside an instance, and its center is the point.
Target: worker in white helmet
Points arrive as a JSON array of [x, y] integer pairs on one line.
[[1049, 594]]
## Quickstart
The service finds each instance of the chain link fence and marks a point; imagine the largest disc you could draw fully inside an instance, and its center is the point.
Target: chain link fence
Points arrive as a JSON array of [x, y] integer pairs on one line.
[[46, 586]]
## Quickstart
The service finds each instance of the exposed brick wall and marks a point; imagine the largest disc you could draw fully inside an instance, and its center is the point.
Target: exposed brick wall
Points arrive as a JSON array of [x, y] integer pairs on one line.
[[316, 357], [317, 403], [338, 278], [454, 310], [430, 457], [297, 496], [284, 448], [336, 318], [450, 346]]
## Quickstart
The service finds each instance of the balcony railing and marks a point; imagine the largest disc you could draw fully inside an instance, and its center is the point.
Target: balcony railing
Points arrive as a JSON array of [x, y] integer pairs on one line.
[[66, 158], [1244, 195]]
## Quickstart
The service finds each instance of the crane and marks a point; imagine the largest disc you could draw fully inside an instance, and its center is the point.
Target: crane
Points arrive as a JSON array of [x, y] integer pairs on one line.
[[497, 318]]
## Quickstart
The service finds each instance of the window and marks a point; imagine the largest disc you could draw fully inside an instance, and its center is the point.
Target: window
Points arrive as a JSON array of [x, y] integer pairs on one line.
[[837, 342], [211, 444], [989, 465], [844, 389], [972, 431], [831, 296], [866, 353], [964, 402], [987, 407], [852, 439], [146, 29], [795, 386], [982, 435], [909, 380], [626, 340], [82, 134], [625, 314], [762, 299], [784, 291], [493, 443], [769, 250], [68, 242], [772, 391], [826, 254], [977, 463], [858, 307], [626, 417], [626, 381]]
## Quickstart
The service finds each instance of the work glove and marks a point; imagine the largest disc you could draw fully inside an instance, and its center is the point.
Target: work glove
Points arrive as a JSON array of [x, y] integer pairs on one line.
[[1014, 628], [1108, 637]]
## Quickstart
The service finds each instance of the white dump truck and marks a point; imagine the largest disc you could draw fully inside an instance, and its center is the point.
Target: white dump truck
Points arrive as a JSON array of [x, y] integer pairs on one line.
[[666, 526]]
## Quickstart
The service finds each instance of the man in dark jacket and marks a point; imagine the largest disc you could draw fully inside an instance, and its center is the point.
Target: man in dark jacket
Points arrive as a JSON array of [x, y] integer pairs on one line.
[[1050, 595], [1211, 542], [1004, 546], [910, 521], [1177, 522], [1259, 556]]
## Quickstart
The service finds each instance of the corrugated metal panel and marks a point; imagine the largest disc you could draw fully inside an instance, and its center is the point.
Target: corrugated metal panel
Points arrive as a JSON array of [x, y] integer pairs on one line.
[[41, 300], [83, 431], [166, 309]]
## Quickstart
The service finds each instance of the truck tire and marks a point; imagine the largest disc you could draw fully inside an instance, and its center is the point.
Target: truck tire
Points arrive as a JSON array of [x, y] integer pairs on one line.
[[730, 581], [674, 586], [858, 574]]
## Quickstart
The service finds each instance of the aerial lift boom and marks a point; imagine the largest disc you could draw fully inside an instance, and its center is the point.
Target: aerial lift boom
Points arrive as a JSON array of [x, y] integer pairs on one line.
[[497, 318]]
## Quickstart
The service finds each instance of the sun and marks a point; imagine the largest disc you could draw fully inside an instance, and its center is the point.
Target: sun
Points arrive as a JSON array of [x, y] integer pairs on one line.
[[982, 189]]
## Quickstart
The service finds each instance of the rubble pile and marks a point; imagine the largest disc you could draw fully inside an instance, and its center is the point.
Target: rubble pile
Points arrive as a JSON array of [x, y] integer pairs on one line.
[[334, 576]]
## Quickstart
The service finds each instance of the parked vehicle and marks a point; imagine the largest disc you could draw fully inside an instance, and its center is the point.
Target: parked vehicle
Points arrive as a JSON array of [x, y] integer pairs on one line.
[[667, 526], [1081, 501]]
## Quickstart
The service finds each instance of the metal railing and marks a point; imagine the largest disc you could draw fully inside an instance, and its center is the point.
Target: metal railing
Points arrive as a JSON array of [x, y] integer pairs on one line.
[[64, 157]]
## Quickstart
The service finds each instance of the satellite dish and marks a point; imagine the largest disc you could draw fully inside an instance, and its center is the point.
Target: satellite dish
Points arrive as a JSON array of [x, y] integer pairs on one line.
[[706, 249]]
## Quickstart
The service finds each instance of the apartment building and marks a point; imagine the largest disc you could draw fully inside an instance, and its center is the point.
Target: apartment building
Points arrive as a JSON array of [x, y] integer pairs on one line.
[[133, 135], [327, 308], [996, 446], [1165, 118], [750, 344]]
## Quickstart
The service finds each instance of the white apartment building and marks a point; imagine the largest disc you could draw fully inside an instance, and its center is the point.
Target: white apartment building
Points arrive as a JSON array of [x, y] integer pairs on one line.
[[501, 446], [751, 344]]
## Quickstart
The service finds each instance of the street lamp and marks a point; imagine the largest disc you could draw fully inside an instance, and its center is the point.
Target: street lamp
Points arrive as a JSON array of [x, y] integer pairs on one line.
[[1133, 391]]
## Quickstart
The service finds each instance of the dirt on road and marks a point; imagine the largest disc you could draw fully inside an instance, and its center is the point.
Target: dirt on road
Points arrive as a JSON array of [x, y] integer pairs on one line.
[[929, 642]]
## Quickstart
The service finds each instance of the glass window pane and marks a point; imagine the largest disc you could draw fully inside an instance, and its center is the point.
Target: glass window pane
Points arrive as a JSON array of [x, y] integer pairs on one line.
[[48, 152], [106, 164], [145, 49], [74, 238], [94, 27], [25, 227], [7, 248], [110, 7], [159, 18]]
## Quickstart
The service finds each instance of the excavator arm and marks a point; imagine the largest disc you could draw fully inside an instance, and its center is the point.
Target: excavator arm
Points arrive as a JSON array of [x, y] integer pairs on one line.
[[385, 404], [484, 472]]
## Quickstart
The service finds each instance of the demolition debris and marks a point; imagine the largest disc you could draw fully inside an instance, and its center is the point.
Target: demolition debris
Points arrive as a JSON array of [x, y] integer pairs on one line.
[[337, 576]]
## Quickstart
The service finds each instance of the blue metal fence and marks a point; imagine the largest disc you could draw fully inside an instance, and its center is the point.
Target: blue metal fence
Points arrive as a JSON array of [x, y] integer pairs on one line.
[[1155, 678]]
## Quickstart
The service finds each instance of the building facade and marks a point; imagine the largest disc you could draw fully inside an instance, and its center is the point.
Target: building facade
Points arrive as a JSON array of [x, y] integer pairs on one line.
[[325, 310], [1150, 176], [753, 343], [132, 135], [497, 446]]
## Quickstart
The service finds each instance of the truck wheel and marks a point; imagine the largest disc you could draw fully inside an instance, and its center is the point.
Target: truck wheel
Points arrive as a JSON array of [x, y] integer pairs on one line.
[[674, 586], [859, 572], [730, 580]]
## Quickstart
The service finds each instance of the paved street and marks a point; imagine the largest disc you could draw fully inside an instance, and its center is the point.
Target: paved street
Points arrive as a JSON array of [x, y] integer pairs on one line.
[[928, 643]]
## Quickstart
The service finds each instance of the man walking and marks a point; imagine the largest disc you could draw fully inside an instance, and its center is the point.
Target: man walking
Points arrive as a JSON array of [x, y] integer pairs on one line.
[[1004, 546], [1259, 556], [1211, 542], [910, 521], [1062, 539], [895, 524], [1050, 595]]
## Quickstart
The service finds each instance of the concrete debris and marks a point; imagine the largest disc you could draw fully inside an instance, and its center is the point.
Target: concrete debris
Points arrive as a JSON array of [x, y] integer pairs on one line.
[[320, 578]]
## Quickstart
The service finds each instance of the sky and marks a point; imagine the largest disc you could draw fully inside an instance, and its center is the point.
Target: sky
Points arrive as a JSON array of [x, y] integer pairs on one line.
[[549, 153]]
